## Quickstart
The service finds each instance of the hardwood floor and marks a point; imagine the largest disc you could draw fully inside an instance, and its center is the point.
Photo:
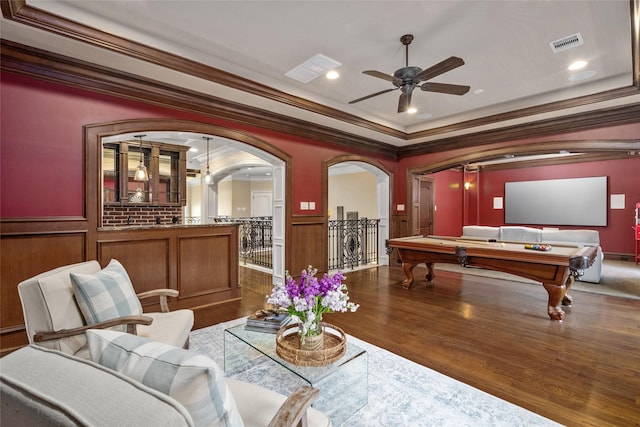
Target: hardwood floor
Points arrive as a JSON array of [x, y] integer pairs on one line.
[[494, 335]]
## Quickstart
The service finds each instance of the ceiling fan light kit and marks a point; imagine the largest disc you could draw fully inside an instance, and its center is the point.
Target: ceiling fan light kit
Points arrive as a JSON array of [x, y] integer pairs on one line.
[[408, 78]]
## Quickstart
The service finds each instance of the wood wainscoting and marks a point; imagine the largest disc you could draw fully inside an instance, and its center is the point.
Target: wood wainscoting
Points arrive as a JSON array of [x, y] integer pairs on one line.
[[201, 262], [308, 244], [25, 255]]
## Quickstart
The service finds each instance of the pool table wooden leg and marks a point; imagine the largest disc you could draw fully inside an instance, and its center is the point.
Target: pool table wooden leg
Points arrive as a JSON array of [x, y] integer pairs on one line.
[[567, 301], [557, 295], [430, 274], [408, 272]]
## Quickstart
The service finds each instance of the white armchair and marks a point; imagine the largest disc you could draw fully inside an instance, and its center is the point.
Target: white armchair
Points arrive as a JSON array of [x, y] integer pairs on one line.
[[53, 318]]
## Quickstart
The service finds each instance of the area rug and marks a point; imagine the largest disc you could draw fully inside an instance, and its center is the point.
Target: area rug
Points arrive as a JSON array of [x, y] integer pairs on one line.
[[619, 278], [401, 392]]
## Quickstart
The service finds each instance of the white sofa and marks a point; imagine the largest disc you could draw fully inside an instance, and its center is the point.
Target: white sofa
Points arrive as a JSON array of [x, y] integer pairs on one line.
[[544, 235], [40, 386]]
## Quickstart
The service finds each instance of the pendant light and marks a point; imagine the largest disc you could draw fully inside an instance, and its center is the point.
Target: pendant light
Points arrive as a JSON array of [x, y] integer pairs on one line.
[[207, 175], [141, 171]]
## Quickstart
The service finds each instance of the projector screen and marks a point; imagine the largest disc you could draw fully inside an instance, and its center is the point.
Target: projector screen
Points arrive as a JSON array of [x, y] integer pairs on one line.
[[573, 201]]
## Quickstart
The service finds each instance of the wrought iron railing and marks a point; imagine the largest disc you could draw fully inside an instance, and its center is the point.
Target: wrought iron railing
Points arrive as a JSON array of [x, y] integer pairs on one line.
[[256, 240], [353, 243]]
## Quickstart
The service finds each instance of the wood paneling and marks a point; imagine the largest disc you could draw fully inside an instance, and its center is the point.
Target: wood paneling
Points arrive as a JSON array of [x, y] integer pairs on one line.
[[206, 264], [201, 262], [146, 258], [399, 226], [24, 256], [308, 244]]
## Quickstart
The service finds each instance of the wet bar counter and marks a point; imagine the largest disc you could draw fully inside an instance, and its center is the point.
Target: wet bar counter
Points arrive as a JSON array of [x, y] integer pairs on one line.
[[200, 261]]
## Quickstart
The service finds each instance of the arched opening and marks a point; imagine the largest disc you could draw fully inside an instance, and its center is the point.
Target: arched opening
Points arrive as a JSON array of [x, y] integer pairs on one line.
[[357, 222], [243, 153]]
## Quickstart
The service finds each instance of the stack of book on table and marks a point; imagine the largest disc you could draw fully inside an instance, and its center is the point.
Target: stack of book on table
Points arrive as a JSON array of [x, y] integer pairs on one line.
[[267, 321]]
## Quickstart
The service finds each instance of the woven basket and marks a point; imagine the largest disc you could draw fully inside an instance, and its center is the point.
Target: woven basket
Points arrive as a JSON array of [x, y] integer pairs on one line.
[[288, 346]]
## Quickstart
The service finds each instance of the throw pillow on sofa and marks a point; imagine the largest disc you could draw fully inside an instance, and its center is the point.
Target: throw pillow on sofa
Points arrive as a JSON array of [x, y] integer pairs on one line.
[[192, 379], [105, 295]]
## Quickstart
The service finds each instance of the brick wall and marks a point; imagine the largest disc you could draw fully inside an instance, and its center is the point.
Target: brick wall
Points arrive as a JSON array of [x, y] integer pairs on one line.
[[140, 215]]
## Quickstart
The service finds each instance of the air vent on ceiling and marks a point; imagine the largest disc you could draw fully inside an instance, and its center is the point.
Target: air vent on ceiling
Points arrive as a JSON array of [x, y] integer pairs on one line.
[[312, 68], [565, 43]]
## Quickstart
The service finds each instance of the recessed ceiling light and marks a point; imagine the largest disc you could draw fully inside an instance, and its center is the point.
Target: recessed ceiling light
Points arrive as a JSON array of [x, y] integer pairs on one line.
[[332, 75], [193, 149], [577, 65], [478, 91], [412, 110], [582, 75]]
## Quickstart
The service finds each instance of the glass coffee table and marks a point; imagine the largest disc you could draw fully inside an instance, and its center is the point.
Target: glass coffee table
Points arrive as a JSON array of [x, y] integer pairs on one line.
[[343, 384]]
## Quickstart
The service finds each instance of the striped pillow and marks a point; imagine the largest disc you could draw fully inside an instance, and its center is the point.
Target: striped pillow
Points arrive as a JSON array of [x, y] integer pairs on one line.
[[105, 295], [192, 379]]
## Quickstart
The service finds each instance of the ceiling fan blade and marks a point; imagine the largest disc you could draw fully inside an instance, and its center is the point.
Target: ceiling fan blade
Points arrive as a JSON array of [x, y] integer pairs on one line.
[[441, 67], [372, 95], [405, 101], [382, 75], [445, 88]]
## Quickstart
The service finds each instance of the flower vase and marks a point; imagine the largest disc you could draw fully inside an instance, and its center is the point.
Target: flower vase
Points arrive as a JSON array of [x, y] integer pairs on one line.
[[313, 340]]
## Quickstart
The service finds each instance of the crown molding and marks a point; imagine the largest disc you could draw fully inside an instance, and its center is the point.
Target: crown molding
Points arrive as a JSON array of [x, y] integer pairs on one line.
[[28, 61], [32, 62], [20, 11]]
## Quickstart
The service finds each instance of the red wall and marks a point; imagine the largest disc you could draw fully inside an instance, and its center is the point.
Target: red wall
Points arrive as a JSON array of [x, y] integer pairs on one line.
[[623, 178], [627, 131], [477, 202], [42, 133], [457, 207]]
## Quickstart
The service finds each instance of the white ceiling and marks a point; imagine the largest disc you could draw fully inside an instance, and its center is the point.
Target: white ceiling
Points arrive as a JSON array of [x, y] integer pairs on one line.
[[505, 46]]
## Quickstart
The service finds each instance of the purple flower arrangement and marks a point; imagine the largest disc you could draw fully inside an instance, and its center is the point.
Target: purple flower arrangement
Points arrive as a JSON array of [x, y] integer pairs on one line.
[[309, 297]]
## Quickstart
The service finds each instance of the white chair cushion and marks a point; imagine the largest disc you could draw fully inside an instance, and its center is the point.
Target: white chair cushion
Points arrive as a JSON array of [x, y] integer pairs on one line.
[[49, 305], [172, 328], [258, 405], [192, 379], [105, 295]]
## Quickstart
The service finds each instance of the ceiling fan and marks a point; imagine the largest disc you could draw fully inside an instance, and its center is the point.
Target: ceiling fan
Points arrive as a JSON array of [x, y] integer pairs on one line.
[[408, 78]]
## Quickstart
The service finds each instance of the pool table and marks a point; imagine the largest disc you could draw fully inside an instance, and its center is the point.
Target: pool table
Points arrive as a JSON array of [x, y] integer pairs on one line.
[[556, 268]]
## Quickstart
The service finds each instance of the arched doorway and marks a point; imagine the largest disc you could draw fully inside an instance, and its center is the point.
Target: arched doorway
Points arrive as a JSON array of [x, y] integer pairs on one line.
[[360, 189]]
